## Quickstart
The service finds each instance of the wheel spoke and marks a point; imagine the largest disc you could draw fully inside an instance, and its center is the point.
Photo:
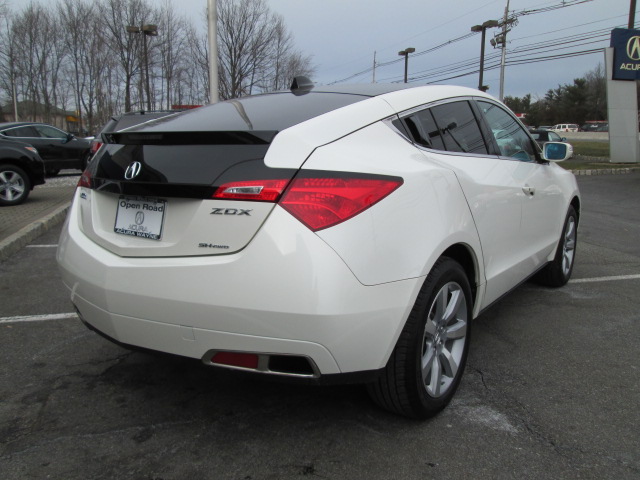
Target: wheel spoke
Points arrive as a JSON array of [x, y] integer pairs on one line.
[[440, 305], [449, 364], [436, 377], [427, 362], [457, 330], [430, 329], [454, 306]]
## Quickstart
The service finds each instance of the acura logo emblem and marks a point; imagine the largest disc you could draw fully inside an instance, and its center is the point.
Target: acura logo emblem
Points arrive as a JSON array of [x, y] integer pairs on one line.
[[633, 48], [133, 170]]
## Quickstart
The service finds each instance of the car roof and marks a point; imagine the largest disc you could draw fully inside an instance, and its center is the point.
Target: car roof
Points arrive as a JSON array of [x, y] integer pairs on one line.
[[277, 111], [4, 125]]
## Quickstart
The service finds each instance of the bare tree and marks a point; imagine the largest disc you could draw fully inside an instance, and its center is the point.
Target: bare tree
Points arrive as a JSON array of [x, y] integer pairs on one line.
[[118, 14], [78, 55], [255, 49]]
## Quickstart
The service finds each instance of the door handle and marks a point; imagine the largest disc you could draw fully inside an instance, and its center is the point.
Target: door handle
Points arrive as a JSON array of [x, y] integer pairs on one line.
[[529, 190]]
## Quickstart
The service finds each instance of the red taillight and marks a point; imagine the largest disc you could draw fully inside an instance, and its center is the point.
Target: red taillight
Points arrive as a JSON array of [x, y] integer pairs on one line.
[[254, 190], [324, 202], [85, 179], [243, 360], [95, 145]]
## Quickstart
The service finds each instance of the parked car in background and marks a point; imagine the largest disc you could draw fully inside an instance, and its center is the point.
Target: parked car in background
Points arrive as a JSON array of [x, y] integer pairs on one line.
[[565, 127], [544, 136], [21, 169], [126, 120], [57, 148], [595, 126], [329, 234]]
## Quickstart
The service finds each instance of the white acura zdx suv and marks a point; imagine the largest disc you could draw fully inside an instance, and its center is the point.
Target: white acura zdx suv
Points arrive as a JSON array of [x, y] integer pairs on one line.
[[342, 234]]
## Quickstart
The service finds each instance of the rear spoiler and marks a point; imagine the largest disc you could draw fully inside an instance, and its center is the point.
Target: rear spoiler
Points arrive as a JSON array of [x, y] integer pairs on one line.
[[260, 137]]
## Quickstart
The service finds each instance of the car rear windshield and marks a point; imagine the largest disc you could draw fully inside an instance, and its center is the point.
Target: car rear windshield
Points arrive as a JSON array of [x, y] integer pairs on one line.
[[269, 112]]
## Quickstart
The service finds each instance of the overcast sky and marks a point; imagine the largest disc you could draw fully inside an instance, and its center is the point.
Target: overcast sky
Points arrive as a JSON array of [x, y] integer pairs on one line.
[[342, 36]]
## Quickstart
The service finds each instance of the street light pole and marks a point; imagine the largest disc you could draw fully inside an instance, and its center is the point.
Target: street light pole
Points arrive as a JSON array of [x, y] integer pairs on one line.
[[406, 53], [504, 49], [147, 31], [212, 17], [483, 28]]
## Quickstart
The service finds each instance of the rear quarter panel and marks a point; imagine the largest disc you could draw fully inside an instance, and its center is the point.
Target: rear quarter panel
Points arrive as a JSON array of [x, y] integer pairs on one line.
[[403, 235]]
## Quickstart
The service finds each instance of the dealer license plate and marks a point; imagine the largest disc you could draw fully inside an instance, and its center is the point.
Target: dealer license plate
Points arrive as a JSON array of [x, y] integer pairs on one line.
[[140, 217]]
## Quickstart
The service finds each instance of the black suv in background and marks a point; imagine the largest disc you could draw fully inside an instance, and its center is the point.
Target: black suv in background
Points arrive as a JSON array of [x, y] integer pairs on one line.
[[21, 168], [57, 148]]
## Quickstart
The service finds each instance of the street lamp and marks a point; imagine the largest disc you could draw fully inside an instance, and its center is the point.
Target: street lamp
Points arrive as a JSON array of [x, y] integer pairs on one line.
[[148, 31], [483, 28], [405, 53]]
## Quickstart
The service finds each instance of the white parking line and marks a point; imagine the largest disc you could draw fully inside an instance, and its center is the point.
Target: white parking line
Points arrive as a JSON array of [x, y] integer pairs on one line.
[[42, 246], [38, 318], [605, 279]]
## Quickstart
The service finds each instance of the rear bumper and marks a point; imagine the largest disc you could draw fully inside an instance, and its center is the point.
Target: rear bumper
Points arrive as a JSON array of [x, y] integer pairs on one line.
[[286, 293]]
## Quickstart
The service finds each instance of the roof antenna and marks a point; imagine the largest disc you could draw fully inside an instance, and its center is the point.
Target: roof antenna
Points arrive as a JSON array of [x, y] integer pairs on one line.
[[301, 85]]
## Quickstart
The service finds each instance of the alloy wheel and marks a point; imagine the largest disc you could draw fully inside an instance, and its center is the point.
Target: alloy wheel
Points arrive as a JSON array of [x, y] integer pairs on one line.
[[444, 339], [12, 185], [569, 246]]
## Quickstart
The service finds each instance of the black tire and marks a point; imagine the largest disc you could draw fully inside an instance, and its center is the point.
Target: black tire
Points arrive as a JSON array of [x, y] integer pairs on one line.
[[401, 388], [558, 272], [15, 185]]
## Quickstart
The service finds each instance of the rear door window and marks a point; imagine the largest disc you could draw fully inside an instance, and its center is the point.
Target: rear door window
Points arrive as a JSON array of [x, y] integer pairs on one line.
[[459, 128], [423, 130], [26, 131], [50, 132]]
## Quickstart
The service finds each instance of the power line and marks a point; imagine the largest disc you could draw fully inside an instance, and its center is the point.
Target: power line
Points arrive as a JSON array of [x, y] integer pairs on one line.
[[571, 41]]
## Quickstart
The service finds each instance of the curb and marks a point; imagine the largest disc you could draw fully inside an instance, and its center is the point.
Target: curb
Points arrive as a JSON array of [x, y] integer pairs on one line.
[[605, 171], [15, 242]]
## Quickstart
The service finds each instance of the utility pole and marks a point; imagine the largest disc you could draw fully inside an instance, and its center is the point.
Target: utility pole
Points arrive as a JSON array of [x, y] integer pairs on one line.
[[374, 68], [212, 16], [504, 50], [405, 53], [632, 14], [483, 28]]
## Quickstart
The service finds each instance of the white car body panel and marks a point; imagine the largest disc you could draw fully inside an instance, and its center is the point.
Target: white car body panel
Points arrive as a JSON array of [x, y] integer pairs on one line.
[[187, 224], [303, 293], [292, 146], [407, 231]]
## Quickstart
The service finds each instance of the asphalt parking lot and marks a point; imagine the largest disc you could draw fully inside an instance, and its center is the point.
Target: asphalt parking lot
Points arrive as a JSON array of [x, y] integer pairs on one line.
[[551, 390]]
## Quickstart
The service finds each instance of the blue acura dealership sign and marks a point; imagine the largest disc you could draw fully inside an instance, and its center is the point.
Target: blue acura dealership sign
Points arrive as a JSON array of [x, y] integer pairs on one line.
[[626, 56]]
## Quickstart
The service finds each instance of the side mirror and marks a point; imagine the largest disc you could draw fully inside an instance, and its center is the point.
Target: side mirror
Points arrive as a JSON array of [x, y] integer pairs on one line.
[[556, 151], [69, 138]]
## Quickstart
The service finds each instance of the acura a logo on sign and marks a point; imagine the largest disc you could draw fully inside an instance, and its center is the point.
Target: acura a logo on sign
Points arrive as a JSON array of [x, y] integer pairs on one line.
[[633, 48], [626, 54], [133, 170]]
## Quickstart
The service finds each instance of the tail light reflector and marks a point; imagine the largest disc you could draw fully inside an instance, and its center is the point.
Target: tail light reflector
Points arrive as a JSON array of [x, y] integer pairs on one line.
[[254, 190], [85, 179], [234, 359], [95, 146]]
